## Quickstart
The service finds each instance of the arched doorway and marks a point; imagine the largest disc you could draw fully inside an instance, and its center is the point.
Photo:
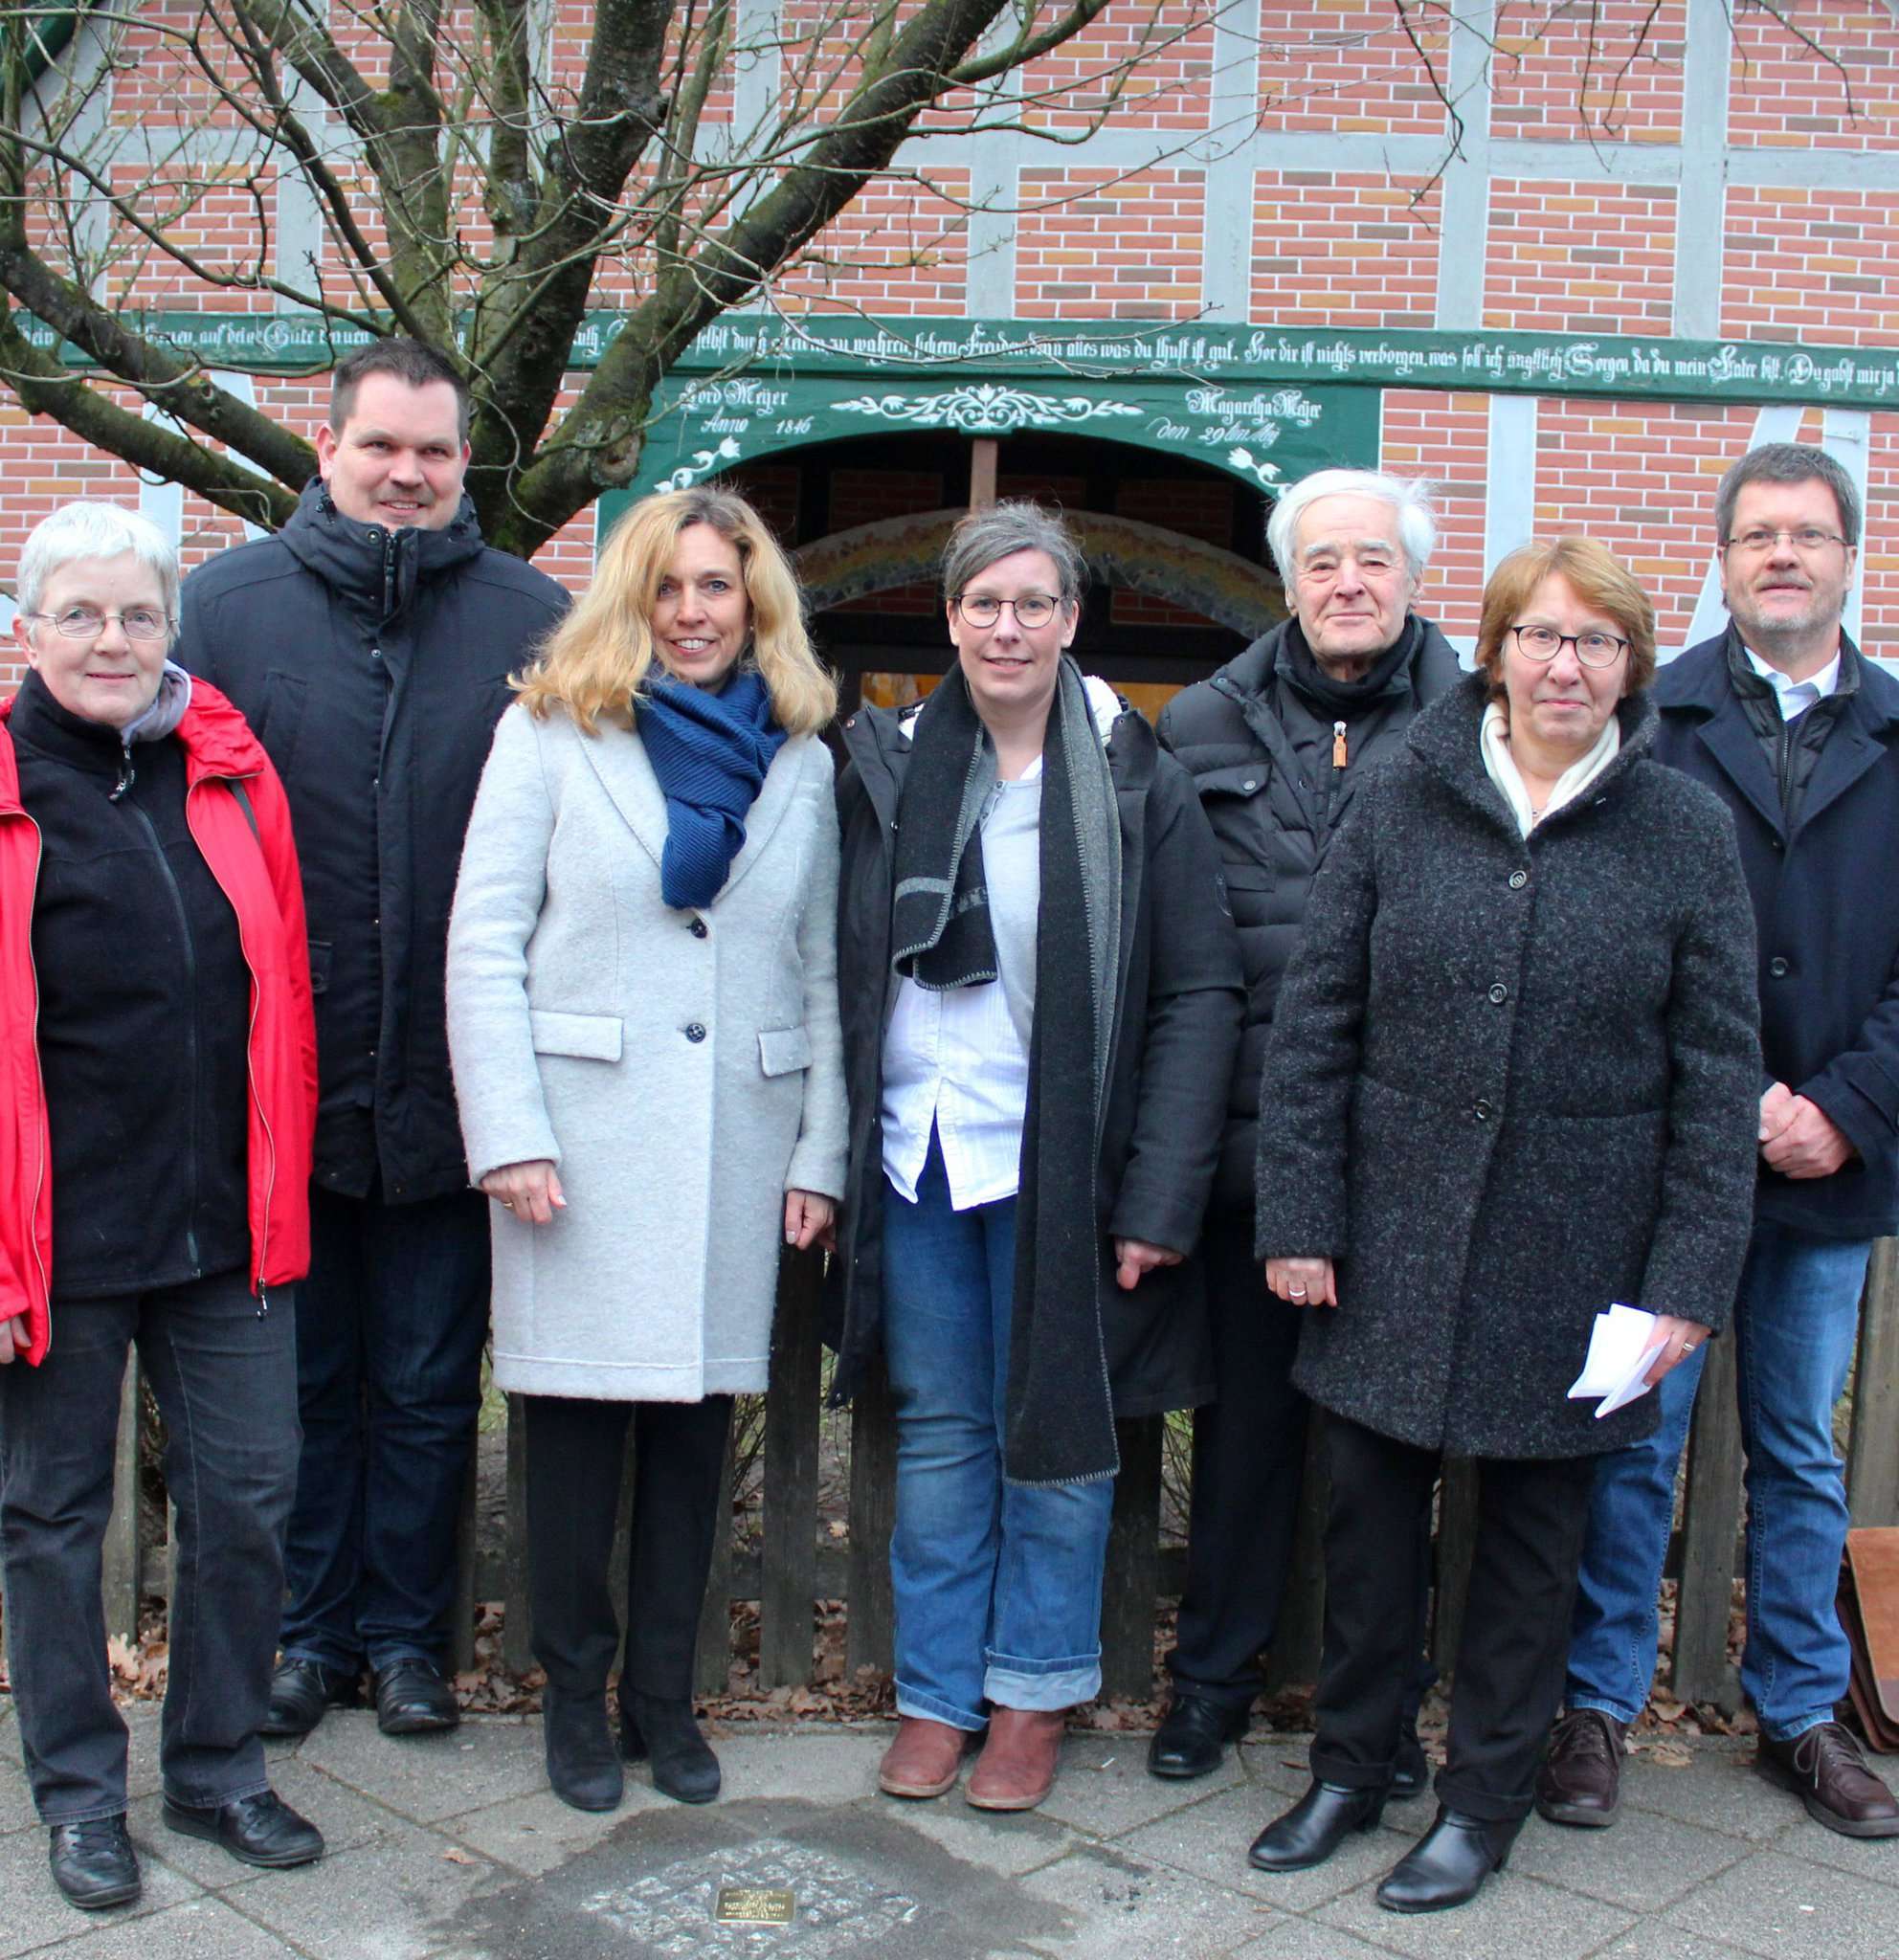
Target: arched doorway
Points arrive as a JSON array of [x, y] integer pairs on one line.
[[1181, 580]]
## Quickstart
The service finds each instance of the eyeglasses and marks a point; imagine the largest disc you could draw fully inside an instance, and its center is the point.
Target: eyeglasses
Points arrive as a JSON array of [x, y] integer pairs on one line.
[[983, 608], [87, 622], [1592, 649], [1809, 540]]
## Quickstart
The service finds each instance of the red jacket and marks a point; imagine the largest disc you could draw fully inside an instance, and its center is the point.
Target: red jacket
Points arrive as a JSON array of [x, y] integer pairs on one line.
[[256, 867]]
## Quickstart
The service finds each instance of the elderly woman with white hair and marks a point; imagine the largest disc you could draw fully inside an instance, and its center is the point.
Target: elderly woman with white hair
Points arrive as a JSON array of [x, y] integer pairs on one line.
[[1279, 744], [158, 1074]]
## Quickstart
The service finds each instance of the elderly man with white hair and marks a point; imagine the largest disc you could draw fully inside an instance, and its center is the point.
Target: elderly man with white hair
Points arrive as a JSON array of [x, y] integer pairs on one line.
[[1278, 742]]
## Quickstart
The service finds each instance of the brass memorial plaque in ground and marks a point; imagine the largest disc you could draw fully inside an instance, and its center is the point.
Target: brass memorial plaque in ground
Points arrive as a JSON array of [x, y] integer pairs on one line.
[[754, 1905]]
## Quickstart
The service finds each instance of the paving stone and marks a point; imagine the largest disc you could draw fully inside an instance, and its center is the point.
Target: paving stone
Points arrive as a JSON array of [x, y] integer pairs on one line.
[[1000, 1841], [1278, 1763], [488, 1758], [1210, 1840], [1104, 1788], [16, 1812], [1300, 1939], [1124, 1905], [535, 1834], [387, 1900], [202, 1929], [1645, 1860], [1789, 1909], [866, 1889], [1869, 1857], [1658, 1941], [344, 1816], [1515, 1915], [33, 1913], [1717, 1790], [839, 1767]]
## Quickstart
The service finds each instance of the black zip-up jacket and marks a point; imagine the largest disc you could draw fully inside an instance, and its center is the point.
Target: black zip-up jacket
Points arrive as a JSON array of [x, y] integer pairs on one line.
[[1177, 1024], [143, 999], [373, 665], [1259, 746]]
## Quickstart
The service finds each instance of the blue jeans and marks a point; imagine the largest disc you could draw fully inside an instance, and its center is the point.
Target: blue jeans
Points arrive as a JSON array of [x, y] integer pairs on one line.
[[390, 1328], [224, 1376], [1796, 1320], [997, 1584]]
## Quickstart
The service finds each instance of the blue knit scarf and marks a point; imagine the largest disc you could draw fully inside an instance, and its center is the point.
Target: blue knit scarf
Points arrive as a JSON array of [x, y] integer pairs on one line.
[[710, 752]]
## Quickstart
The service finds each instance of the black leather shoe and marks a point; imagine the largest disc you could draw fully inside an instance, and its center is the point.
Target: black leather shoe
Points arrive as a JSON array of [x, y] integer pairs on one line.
[[255, 1830], [93, 1864], [1315, 1827], [301, 1690], [412, 1699], [1193, 1737], [1581, 1778], [684, 1766], [1449, 1864], [583, 1765], [1411, 1771]]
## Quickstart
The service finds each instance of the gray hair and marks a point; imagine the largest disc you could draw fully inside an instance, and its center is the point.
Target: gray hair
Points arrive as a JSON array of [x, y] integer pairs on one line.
[[1015, 524], [1788, 462], [95, 530], [1417, 527]]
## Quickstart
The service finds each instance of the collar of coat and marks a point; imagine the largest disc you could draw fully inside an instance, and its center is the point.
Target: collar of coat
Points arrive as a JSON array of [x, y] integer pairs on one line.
[[217, 740], [1699, 684], [1447, 737], [1432, 671], [369, 565]]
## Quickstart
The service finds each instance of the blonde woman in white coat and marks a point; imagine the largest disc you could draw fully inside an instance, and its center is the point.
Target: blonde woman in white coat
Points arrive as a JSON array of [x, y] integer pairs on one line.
[[643, 1021]]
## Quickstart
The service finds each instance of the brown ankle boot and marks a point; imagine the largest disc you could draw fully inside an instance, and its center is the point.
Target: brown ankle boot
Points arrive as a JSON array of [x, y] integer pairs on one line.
[[1017, 1768], [924, 1760]]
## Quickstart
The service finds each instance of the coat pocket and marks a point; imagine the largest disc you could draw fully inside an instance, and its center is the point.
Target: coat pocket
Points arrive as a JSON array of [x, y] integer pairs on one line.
[[592, 1038], [781, 1050]]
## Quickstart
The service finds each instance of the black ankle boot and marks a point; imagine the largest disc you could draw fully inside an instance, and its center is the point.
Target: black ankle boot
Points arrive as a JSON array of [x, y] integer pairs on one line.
[[1315, 1827], [684, 1766], [1449, 1864], [582, 1765]]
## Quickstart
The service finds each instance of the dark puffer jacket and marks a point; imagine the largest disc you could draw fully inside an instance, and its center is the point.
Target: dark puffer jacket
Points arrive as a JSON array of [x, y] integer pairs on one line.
[[1176, 1026], [1257, 739], [373, 665], [1519, 1080]]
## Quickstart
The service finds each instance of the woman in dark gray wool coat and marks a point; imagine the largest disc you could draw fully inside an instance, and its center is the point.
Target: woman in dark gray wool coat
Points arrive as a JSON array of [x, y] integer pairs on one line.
[[1513, 1077]]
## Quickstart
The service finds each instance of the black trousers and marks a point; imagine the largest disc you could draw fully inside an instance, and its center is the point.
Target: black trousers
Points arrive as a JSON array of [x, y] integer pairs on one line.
[[1250, 1467], [575, 1454], [1530, 1519], [224, 1376]]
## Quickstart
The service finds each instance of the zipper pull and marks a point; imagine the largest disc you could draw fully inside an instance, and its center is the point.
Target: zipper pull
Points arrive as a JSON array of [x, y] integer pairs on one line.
[[263, 1299], [127, 774], [1338, 744]]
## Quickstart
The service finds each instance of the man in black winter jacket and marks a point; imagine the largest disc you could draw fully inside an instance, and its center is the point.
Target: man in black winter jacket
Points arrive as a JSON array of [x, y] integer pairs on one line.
[[1278, 742], [369, 645]]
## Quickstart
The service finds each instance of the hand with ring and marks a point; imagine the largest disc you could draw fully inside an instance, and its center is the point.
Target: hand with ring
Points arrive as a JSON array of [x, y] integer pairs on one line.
[[1671, 1343], [1302, 1282], [531, 1190]]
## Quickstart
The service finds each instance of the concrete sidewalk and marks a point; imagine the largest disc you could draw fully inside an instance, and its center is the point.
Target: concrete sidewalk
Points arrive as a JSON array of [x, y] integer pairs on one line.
[[452, 1847]]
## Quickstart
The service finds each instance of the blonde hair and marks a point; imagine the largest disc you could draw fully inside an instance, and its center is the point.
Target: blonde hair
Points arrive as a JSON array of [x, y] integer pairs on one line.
[[599, 657]]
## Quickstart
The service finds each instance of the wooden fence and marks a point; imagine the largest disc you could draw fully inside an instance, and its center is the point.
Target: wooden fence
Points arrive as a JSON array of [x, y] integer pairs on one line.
[[791, 1572]]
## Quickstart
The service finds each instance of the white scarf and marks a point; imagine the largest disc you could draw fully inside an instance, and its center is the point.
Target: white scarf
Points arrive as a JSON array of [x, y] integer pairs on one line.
[[1501, 767]]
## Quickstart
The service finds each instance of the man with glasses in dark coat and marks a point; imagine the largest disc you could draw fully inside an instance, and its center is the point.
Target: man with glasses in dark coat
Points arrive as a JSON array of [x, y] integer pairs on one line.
[[1278, 743], [1799, 734], [369, 645]]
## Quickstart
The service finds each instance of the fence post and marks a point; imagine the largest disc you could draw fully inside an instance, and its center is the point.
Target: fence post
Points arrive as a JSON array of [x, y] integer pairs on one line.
[[788, 1585], [518, 1626], [868, 1641], [124, 1551], [1872, 1456], [713, 1666], [467, 1548], [1132, 1575], [1703, 1593]]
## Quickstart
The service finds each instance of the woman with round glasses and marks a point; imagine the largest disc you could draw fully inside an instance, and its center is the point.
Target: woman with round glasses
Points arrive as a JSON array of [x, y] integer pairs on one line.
[[158, 1071], [1041, 990], [1513, 1078]]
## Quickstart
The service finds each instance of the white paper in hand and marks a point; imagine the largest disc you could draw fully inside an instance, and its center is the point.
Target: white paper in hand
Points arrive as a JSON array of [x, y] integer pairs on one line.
[[1622, 1350]]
